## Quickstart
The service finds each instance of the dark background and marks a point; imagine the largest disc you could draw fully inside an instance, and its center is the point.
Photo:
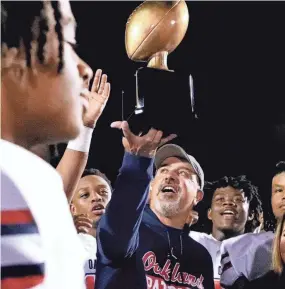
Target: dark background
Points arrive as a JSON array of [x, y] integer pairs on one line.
[[235, 52]]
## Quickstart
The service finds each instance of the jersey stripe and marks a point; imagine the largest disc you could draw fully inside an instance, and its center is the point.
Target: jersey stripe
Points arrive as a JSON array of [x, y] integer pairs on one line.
[[22, 270], [21, 250], [22, 260], [11, 217], [22, 282], [19, 229]]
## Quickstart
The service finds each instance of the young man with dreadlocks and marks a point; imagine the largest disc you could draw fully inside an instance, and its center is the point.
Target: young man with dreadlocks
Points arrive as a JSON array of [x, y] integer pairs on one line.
[[44, 91], [249, 257], [233, 210]]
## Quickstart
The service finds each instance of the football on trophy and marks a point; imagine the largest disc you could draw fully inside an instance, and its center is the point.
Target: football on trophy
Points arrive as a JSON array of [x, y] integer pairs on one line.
[[155, 26]]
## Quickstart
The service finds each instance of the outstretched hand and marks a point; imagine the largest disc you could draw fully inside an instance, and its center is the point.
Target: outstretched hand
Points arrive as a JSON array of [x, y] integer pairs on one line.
[[97, 98], [145, 145]]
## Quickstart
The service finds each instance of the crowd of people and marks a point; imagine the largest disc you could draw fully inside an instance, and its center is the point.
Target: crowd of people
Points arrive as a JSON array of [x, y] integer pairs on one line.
[[69, 227]]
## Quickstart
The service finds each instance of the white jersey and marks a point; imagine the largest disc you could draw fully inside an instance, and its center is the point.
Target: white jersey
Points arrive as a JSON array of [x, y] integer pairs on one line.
[[40, 247], [248, 255], [213, 246], [90, 246]]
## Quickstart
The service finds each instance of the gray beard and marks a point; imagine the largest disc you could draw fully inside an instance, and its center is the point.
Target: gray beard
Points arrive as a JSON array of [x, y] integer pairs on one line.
[[167, 208]]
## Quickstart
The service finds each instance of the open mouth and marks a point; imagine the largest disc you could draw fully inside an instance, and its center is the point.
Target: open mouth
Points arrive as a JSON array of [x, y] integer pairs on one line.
[[98, 209], [229, 213], [169, 189]]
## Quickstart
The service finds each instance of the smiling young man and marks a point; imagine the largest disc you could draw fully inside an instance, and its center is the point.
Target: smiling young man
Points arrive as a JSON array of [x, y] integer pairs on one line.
[[148, 246], [235, 206]]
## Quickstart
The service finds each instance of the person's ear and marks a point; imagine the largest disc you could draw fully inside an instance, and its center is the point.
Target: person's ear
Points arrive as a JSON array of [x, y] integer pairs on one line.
[[250, 216], [199, 197], [209, 214], [150, 185], [72, 209]]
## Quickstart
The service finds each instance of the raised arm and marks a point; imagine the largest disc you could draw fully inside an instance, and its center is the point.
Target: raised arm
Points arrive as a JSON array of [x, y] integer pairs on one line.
[[117, 234], [74, 160]]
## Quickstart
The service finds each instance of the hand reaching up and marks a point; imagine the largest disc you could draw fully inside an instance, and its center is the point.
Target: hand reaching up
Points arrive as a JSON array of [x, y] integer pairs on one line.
[[145, 145], [97, 98]]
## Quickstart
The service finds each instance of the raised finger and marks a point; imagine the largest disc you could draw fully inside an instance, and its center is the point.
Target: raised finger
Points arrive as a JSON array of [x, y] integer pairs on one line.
[[126, 131], [124, 126], [87, 223], [116, 124], [151, 135], [75, 217], [82, 230], [102, 84], [167, 139], [83, 224], [96, 81], [157, 137], [106, 91], [83, 219]]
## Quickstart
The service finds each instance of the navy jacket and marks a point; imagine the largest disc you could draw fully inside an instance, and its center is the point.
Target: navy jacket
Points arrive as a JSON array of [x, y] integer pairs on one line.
[[137, 251]]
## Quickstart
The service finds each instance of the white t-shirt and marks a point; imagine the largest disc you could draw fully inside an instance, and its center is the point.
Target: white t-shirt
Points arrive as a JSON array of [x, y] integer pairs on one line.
[[213, 246], [90, 246], [38, 233], [248, 255]]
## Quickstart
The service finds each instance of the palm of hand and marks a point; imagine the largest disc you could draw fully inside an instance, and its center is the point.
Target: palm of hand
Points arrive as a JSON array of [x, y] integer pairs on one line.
[[97, 99], [145, 145]]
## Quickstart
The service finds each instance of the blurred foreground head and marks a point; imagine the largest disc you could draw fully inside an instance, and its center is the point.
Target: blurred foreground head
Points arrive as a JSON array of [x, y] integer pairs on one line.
[[42, 76]]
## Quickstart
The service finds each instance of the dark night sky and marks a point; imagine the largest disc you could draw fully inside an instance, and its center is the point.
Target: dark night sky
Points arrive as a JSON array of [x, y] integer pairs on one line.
[[235, 52]]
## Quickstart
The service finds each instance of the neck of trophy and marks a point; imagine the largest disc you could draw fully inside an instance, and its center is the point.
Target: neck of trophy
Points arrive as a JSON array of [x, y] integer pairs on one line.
[[159, 61]]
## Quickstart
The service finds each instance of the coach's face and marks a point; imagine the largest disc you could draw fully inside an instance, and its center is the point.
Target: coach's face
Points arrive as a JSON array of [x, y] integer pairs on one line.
[[174, 189], [229, 210]]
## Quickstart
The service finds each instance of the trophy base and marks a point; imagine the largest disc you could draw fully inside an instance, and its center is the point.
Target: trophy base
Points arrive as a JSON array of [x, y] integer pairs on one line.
[[164, 101]]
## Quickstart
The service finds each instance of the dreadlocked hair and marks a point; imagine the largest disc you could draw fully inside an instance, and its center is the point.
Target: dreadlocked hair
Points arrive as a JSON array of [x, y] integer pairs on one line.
[[96, 172], [250, 191], [27, 21]]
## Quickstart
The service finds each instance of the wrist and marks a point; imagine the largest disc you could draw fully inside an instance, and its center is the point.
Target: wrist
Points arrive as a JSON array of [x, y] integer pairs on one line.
[[139, 153], [90, 124], [90, 120], [83, 140], [137, 163]]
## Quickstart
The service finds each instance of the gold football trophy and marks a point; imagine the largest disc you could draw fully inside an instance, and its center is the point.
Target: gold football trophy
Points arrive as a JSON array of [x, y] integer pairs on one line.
[[154, 30]]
